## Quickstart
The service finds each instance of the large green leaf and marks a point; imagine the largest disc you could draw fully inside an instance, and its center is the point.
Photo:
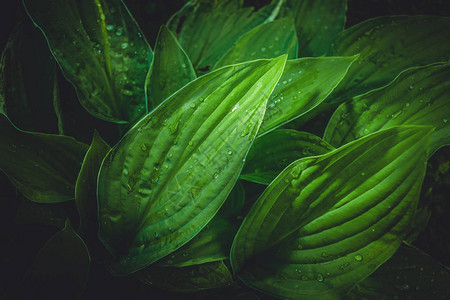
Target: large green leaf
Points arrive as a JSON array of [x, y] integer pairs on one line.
[[418, 96], [44, 167], [305, 83], [207, 29], [265, 41], [101, 51], [387, 46], [317, 22], [171, 69], [329, 221], [273, 152], [187, 279], [166, 179]]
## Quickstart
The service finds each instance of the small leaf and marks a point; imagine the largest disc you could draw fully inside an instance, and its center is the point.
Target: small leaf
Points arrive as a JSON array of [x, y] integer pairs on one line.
[[329, 221], [317, 22], [418, 96], [171, 69], [305, 83], [387, 46], [207, 29], [60, 269], [101, 51], [167, 178], [44, 167], [265, 41], [187, 279], [273, 152]]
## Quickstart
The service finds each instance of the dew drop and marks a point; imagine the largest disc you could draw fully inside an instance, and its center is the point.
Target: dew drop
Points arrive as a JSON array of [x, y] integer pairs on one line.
[[125, 172], [304, 277], [230, 152], [358, 257], [156, 235], [215, 175], [110, 27], [299, 247], [143, 147], [263, 49], [407, 104], [411, 87], [201, 99], [124, 46], [192, 105], [445, 120], [398, 113], [319, 277]]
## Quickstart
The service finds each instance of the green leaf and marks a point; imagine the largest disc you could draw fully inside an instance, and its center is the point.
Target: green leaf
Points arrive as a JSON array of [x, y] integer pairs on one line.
[[329, 221], [418, 96], [44, 167], [235, 202], [101, 51], [387, 46], [317, 22], [273, 152], [265, 41], [86, 185], [213, 243], [61, 268], [187, 279], [305, 83], [409, 274], [171, 69], [166, 179], [206, 30]]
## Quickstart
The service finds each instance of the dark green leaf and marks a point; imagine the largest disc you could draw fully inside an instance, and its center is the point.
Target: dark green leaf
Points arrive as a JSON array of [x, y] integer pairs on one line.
[[265, 41], [329, 221], [317, 22], [61, 268], [418, 96], [101, 51], [206, 30], [387, 46], [187, 279], [409, 274], [273, 152], [171, 69], [166, 179], [44, 167], [235, 202], [305, 83]]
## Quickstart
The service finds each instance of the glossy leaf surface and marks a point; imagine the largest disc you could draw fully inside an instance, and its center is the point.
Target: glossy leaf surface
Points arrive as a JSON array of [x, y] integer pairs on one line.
[[329, 221], [101, 51], [44, 167], [305, 83], [265, 41], [419, 96], [166, 179], [273, 152], [171, 69], [387, 46]]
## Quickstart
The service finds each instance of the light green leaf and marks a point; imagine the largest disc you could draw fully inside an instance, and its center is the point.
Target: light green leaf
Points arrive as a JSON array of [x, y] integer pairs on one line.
[[187, 279], [44, 167], [207, 29], [387, 46], [329, 221], [265, 41], [418, 96], [167, 178], [171, 69], [273, 152], [101, 51], [305, 83], [317, 22]]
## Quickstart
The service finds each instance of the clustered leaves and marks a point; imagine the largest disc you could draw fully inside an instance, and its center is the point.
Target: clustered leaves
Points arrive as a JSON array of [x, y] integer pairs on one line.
[[210, 181]]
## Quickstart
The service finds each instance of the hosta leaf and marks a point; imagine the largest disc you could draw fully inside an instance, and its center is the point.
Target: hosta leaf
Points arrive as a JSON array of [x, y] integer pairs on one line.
[[61, 268], [273, 152], [316, 23], [86, 185], [187, 279], [213, 243], [235, 202], [172, 171], [265, 41], [305, 83], [206, 30], [409, 274], [387, 46], [327, 222], [101, 51], [44, 167], [171, 69], [418, 96]]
